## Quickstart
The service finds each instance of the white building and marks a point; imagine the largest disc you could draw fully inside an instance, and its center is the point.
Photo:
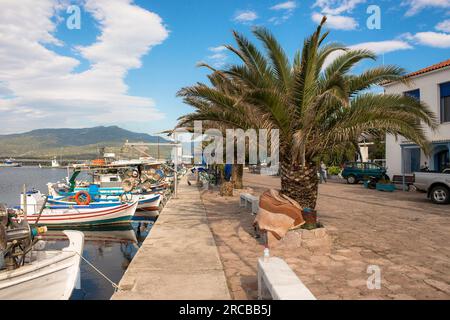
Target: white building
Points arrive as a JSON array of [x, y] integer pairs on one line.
[[432, 86]]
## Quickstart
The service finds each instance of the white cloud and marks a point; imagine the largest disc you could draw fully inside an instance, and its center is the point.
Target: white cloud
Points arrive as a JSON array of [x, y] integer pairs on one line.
[[443, 26], [431, 39], [378, 47], [337, 13], [288, 5], [336, 22], [43, 84], [245, 16], [287, 8], [279, 20], [415, 6], [336, 7], [218, 58], [217, 49], [381, 47]]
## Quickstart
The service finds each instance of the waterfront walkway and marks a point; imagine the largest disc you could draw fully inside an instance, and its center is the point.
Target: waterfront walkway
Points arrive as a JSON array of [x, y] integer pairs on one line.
[[402, 233], [179, 258]]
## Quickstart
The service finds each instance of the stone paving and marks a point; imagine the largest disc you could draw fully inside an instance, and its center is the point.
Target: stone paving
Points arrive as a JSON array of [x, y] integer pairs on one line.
[[402, 233], [178, 260]]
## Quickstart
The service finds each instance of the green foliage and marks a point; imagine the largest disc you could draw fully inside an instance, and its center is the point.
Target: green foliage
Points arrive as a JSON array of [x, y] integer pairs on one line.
[[334, 170], [379, 149]]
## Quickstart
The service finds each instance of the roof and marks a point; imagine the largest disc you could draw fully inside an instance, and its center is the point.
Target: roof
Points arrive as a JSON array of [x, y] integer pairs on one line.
[[433, 67], [436, 66]]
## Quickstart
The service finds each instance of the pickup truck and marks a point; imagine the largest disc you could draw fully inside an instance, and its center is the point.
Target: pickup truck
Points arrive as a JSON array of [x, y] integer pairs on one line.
[[436, 185]]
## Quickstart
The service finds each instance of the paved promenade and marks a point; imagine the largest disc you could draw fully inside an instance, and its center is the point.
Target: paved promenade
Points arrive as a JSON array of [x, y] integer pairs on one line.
[[402, 233], [179, 258]]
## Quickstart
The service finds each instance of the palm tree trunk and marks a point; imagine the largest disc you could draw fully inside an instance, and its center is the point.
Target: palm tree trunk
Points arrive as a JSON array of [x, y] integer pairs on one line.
[[237, 174], [300, 182]]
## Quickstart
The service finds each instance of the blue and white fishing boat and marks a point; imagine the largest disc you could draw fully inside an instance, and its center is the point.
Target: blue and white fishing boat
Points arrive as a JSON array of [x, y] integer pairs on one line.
[[38, 212], [146, 202], [111, 183], [10, 163]]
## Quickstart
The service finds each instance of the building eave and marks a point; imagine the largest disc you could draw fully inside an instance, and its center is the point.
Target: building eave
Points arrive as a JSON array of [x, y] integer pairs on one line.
[[438, 67]]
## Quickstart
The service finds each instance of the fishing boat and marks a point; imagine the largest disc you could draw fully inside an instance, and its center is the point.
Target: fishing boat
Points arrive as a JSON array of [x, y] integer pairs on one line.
[[10, 163], [48, 275], [28, 271], [38, 212], [146, 202], [120, 181]]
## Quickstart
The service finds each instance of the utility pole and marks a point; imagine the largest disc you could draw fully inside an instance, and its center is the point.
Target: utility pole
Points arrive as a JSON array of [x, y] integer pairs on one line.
[[158, 149]]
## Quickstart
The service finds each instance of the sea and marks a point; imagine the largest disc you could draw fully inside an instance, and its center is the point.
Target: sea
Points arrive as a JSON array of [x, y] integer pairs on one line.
[[110, 248]]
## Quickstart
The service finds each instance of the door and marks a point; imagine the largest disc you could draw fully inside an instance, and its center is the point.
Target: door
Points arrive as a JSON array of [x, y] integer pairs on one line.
[[373, 170], [442, 160], [415, 160]]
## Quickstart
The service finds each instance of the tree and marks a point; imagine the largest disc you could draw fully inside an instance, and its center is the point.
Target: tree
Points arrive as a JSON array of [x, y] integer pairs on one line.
[[317, 104]]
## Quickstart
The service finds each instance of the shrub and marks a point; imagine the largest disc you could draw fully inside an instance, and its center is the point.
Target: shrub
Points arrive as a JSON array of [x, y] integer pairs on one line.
[[333, 171]]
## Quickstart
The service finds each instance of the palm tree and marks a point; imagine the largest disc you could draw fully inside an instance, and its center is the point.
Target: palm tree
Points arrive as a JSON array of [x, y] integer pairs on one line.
[[221, 115], [315, 102]]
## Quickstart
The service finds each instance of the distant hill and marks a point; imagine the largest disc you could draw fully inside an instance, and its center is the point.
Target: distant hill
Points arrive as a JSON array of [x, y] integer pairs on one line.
[[77, 143]]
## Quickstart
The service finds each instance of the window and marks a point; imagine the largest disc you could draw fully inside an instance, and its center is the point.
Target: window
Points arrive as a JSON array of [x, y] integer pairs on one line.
[[445, 102], [413, 94], [359, 165], [372, 166]]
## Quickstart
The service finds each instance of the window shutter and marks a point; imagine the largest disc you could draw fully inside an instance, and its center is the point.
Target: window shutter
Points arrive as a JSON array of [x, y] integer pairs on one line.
[[445, 89]]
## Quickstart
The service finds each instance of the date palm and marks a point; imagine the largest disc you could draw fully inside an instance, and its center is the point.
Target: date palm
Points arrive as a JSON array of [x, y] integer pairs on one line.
[[315, 101], [218, 115]]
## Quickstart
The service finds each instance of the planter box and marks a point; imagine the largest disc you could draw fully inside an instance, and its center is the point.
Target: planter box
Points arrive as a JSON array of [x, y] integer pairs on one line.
[[385, 187]]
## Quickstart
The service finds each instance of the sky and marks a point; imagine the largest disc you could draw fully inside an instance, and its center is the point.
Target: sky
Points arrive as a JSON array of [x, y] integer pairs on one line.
[[127, 60]]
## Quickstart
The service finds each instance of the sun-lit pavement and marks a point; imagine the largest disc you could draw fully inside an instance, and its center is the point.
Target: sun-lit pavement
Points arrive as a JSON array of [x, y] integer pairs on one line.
[[402, 233]]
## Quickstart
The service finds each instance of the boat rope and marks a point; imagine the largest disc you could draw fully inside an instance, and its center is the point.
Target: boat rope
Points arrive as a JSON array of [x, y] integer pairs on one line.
[[41, 210], [115, 286]]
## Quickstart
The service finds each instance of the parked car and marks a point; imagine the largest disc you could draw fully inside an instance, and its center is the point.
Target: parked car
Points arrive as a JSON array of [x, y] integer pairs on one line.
[[436, 185], [354, 172]]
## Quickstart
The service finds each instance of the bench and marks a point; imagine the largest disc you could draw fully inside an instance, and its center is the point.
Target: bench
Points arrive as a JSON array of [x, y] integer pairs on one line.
[[248, 199], [398, 179], [270, 171], [277, 280], [255, 169]]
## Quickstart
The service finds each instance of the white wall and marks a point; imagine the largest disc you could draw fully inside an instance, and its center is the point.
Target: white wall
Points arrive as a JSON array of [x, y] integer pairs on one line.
[[428, 84]]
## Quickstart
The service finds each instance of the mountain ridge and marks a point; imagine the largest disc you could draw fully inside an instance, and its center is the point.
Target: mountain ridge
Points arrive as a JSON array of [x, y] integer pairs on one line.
[[69, 141]]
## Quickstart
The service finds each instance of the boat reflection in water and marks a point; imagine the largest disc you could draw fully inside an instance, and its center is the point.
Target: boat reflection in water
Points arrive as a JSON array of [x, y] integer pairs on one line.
[[109, 248]]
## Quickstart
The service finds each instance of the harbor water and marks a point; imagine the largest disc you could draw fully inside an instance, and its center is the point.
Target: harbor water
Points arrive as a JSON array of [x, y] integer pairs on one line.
[[109, 248]]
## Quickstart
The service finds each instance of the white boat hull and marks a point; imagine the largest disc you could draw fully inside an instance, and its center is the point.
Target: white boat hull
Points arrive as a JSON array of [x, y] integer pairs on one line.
[[71, 216], [143, 205], [118, 236], [52, 276]]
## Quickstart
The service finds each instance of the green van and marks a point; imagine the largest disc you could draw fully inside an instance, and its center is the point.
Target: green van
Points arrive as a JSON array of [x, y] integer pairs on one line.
[[354, 172]]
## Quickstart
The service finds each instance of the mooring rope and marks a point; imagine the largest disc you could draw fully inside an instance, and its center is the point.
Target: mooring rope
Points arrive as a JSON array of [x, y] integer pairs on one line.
[[115, 286]]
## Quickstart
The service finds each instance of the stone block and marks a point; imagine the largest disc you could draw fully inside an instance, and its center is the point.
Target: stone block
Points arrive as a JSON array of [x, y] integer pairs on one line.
[[127, 283]]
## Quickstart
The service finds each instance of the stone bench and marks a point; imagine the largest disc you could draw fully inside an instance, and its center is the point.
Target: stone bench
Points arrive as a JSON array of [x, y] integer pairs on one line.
[[270, 171], [276, 280], [248, 199]]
